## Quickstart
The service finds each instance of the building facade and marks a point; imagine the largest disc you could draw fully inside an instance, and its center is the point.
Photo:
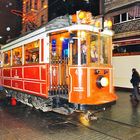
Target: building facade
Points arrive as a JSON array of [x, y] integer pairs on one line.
[[125, 15], [35, 14]]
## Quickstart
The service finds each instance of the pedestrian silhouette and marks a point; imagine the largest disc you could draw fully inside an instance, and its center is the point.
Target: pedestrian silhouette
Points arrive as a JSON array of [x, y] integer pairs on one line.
[[135, 79]]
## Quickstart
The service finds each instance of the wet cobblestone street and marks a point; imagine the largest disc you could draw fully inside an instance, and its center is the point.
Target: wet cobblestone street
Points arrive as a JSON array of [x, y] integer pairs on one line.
[[121, 122]]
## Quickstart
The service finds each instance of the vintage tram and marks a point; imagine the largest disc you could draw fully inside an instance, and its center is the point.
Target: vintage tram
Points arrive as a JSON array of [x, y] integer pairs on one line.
[[63, 66]]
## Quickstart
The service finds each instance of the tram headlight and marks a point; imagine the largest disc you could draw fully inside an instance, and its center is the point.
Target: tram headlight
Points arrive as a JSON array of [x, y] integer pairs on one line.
[[102, 81], [81, 15]]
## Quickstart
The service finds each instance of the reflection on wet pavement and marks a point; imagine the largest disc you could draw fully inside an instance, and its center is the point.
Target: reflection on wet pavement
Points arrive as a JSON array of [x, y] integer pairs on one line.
[[122, 121]]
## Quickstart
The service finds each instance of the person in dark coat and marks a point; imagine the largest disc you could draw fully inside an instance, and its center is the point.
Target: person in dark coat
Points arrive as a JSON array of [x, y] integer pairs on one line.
[[135, 82]]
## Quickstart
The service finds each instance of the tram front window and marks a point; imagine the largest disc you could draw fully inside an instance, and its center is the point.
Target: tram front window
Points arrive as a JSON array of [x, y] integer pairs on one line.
[[79, 48], [105, 49], [79, 55], [99, 49], [74, 52], [92, 48]]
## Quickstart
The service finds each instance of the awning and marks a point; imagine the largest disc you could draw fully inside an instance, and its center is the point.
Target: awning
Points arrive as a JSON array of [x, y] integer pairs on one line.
[[134, 11]]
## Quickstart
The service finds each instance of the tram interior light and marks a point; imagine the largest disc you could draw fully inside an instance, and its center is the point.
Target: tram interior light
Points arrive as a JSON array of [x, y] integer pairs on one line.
[[62, 38], [82, 34], [53, 44]]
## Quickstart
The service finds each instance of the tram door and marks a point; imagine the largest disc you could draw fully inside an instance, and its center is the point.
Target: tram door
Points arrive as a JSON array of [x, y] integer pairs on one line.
[[59, 64]]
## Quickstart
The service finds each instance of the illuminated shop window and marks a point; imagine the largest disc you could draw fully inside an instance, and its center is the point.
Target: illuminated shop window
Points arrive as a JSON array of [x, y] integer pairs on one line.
[[42, 3], [35, 4], [42, 19], [27, 6], [7, 58], [17, 56], [30, 4], [31, 54]]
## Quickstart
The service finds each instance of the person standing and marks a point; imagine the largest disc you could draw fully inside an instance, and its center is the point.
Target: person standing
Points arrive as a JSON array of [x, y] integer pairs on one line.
[[135, 83]]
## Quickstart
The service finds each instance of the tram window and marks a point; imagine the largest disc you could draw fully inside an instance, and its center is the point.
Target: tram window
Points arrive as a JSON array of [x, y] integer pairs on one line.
[[7, 58], [65, 48], [94, 49], [74, 53], [31, 54], [105, 43], [59, 46], [17, 56], [83, 51]]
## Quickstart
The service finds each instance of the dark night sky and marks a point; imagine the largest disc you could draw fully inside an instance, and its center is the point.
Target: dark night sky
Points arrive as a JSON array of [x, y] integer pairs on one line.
[[56, 8], [62, 7], [7, 19]]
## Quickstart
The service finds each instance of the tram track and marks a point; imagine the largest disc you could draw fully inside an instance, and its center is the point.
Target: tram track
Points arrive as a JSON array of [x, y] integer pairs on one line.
[[75, 122], [110, 120], [121, 123], [78, 124], [93, 129]]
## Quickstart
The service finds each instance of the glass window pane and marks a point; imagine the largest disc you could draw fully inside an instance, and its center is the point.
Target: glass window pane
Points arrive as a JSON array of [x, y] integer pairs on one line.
[[32, 52], [105, 43], [7, 56], [17, 56], [117, 19], [75, 52], [94, 49], [124, 17]]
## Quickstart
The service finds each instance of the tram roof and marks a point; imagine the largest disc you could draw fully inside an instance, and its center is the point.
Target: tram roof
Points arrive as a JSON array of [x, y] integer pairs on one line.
[[57, 24]]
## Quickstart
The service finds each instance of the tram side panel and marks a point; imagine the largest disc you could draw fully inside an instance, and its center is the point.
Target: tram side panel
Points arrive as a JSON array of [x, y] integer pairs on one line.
[[1, 77], [30, 79], [7, 77], [17, 77]]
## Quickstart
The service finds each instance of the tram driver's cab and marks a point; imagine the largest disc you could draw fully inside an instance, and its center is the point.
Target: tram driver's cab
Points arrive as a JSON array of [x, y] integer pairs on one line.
[[89, 63]]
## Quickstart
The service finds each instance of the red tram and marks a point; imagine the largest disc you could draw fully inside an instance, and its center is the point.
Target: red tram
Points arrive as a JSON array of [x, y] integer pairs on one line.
[[63, 66]]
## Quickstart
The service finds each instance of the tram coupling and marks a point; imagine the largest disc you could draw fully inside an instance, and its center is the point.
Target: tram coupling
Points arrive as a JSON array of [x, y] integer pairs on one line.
[[91, 115]]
